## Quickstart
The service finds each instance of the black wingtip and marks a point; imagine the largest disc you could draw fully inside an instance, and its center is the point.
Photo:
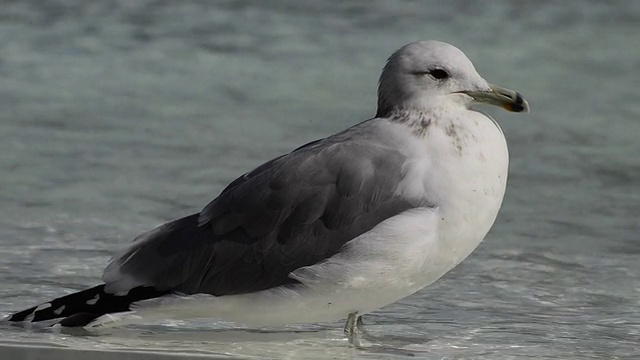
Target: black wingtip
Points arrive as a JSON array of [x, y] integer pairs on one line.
[[81, 308]]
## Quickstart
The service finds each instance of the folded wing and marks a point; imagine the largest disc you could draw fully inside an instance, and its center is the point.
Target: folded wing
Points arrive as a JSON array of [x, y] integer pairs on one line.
[[293, 211]]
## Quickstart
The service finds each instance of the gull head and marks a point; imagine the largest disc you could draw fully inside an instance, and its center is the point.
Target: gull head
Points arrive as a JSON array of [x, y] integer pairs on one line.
[[426, 74]]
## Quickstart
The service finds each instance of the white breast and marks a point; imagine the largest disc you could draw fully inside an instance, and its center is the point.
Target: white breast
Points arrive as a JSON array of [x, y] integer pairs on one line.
[[460, 164], [471, 167]]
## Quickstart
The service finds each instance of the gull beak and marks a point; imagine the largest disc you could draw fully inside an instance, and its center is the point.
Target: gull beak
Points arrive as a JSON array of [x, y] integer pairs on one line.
[[505, 98]]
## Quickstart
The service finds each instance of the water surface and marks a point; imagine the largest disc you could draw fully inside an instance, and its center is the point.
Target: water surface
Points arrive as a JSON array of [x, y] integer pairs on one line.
[[119, 116]]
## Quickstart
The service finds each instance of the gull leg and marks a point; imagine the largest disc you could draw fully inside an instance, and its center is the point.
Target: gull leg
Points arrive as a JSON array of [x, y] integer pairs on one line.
[[361, 328], [351, 329]]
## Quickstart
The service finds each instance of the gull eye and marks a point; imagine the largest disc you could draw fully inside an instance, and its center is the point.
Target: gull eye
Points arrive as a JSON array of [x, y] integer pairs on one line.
[[438, 74]]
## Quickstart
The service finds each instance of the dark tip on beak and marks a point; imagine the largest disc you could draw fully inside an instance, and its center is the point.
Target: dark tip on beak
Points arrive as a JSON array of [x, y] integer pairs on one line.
[[518, 104], [499, 96]]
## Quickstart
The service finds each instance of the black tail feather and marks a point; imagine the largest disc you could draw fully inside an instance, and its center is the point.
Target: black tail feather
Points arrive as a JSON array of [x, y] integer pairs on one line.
[[79, 309]]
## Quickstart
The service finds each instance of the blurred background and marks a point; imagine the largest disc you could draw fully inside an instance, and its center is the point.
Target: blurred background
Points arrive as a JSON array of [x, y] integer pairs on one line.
[[117, 116]]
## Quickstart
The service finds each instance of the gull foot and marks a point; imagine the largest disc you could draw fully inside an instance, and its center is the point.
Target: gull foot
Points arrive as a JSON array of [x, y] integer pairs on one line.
[[352, 329]]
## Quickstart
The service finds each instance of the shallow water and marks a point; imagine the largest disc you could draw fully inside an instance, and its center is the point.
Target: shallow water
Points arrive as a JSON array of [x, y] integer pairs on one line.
[[118, 116]]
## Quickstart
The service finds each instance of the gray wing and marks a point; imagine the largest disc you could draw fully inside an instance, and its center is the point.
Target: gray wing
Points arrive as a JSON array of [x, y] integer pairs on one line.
[[293, 211]]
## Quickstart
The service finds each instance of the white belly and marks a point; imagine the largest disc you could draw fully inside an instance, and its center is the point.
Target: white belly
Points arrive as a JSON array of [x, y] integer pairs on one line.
[[380, 267]]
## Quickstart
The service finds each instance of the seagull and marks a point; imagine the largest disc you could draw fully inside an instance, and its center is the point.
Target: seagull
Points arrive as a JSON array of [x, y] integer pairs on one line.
[[336, 228]]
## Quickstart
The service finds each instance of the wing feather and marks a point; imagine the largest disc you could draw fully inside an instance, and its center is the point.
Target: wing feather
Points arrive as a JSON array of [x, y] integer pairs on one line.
[[293, 211]]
